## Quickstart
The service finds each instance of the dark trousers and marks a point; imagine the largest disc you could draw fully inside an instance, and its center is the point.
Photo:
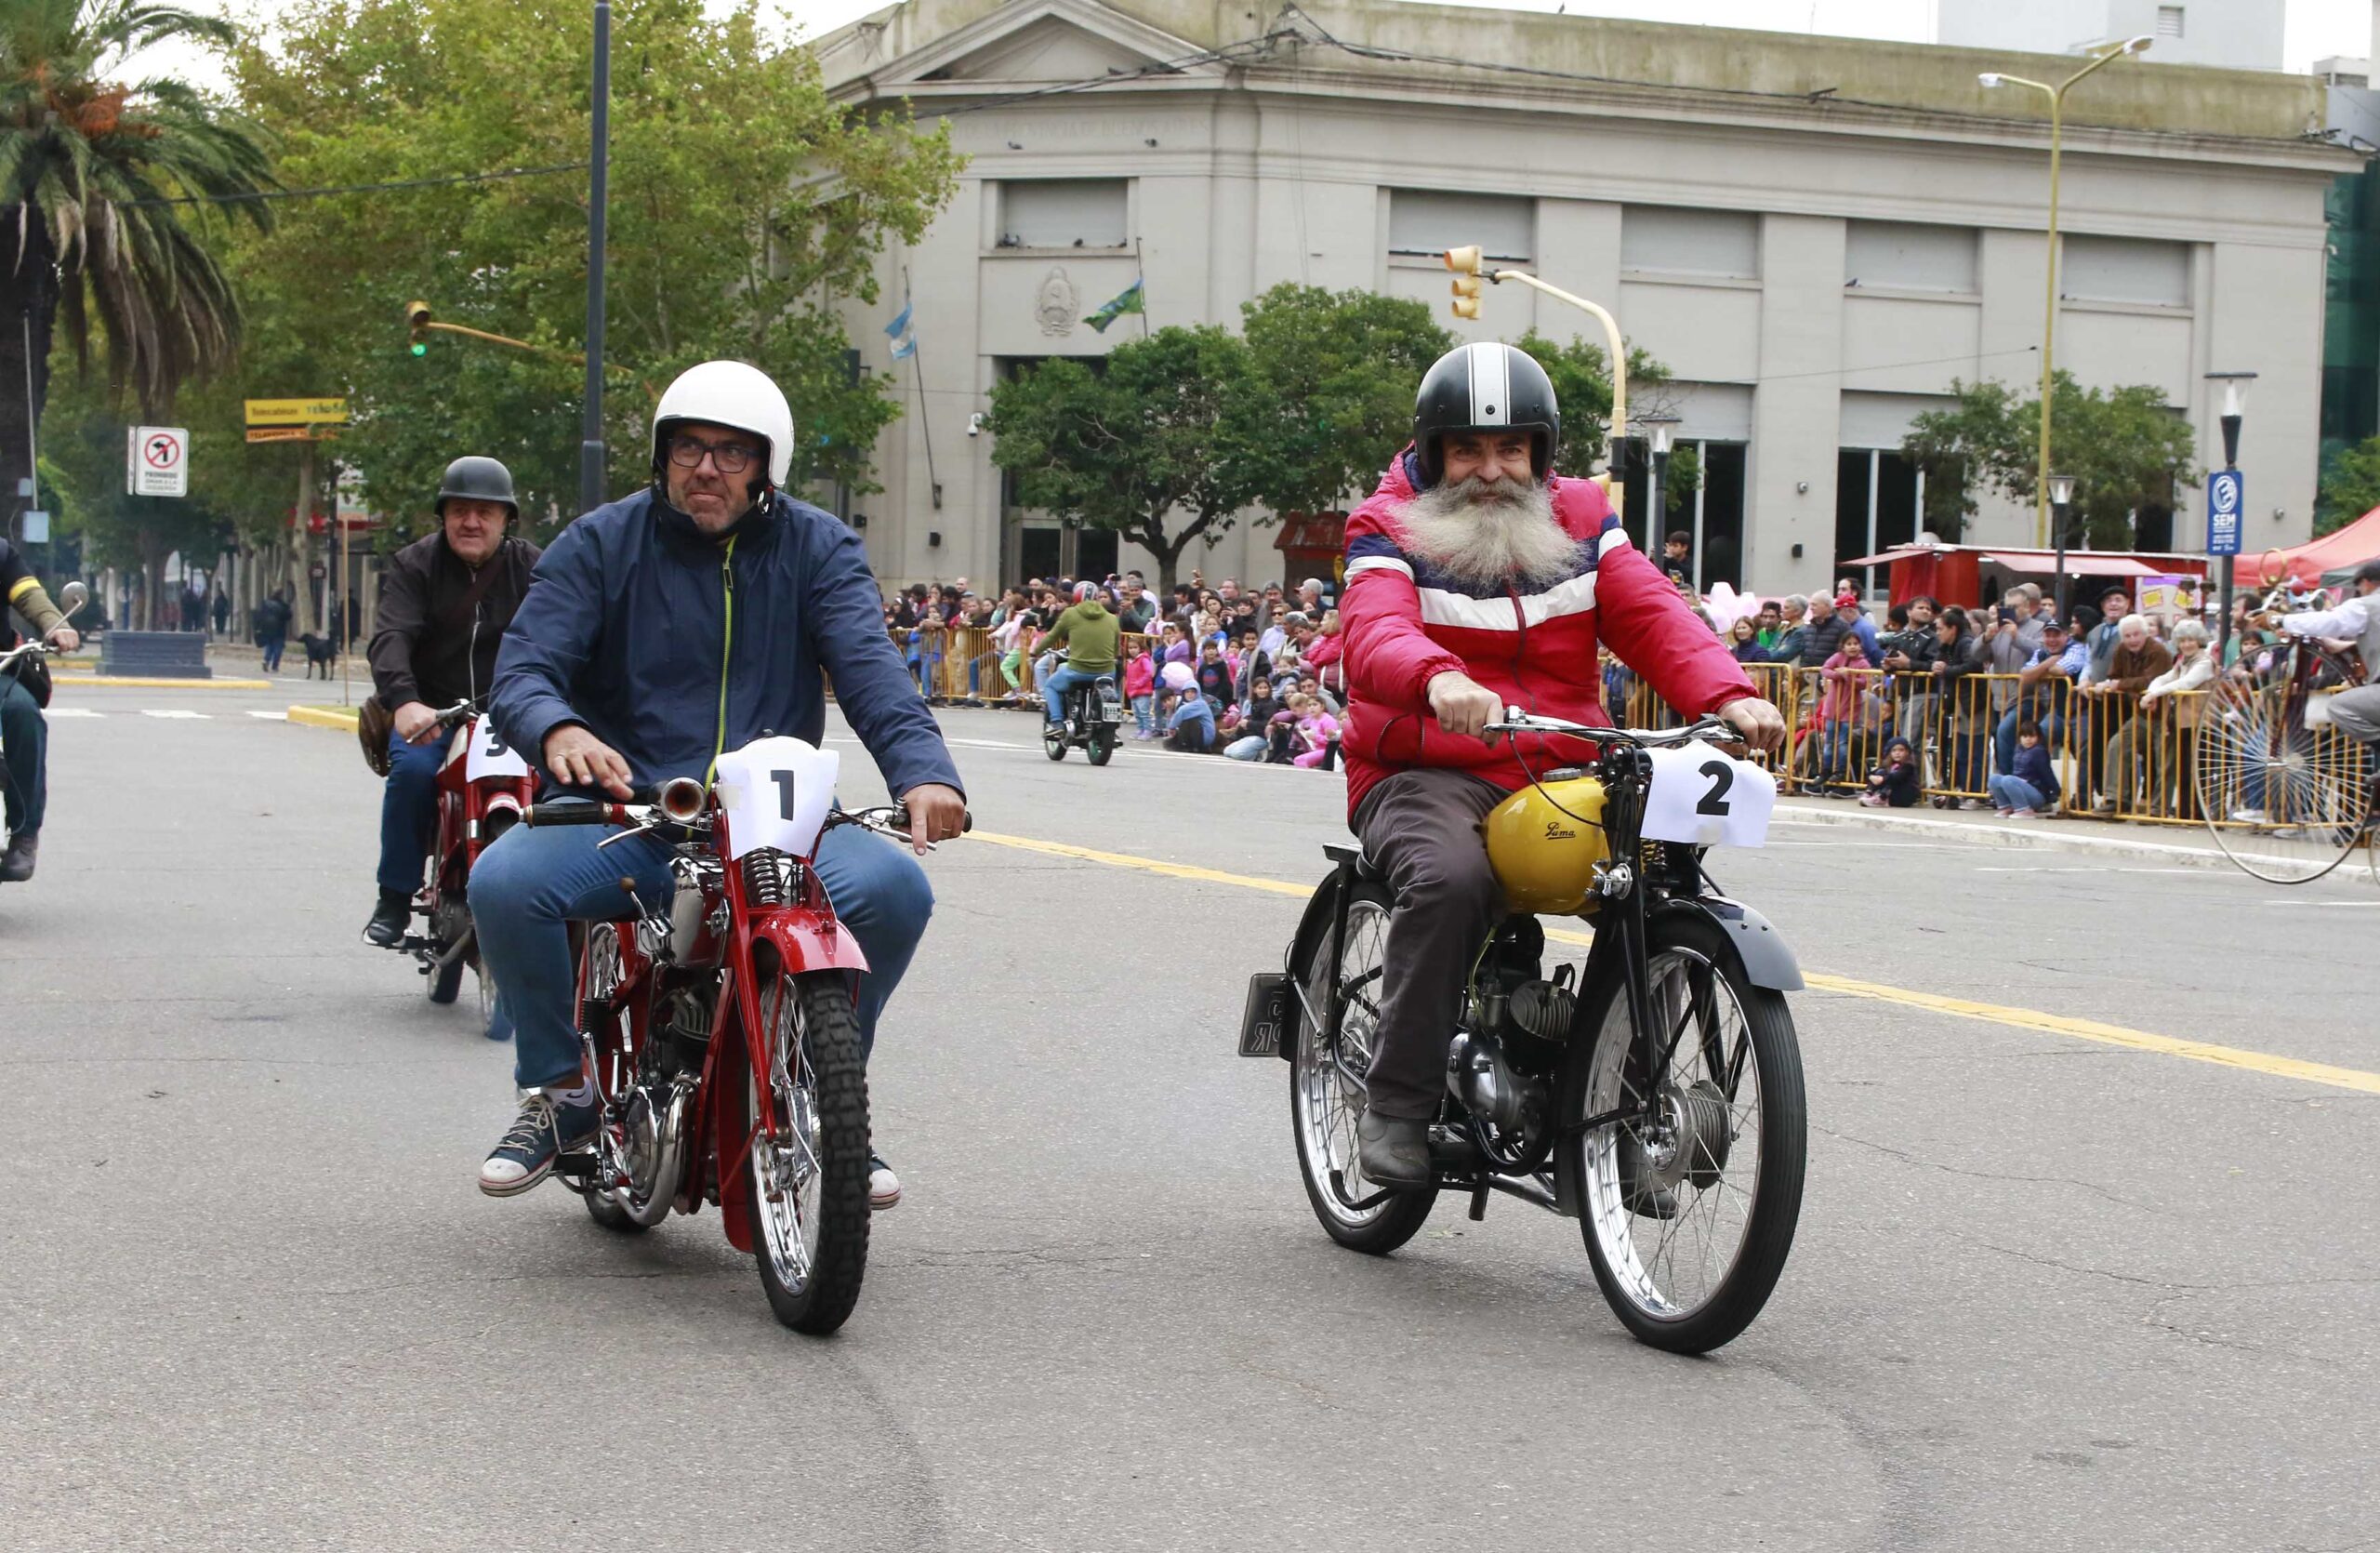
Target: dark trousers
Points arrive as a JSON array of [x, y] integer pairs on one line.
[[409, 811], [26, 737], [1421, 829], [272, 643]]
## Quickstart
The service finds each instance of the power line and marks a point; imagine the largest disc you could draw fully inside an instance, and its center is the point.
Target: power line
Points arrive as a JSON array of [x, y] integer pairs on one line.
[[359, 188]]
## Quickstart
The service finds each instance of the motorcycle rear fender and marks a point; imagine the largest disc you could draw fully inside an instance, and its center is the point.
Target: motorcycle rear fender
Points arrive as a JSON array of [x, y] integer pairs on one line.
[[1767, 959], [1321, 910], [808, 938]]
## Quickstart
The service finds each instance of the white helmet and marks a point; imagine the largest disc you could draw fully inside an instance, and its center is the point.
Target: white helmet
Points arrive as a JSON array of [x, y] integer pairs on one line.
[[735, 395]]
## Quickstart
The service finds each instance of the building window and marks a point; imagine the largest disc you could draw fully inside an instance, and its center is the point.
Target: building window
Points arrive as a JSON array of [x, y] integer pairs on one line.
[[1711, 514], [1424, 223], [1066, 213], [1903, 256], [1878, 497], [2169, 21], [2143, 272], [1666, 239]]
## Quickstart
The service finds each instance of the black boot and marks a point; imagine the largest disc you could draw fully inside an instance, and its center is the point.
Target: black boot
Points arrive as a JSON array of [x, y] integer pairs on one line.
[[389, 920], [16, 863]]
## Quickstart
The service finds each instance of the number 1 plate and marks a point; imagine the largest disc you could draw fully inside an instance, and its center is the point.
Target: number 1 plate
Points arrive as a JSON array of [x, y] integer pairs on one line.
[[1709, 798]]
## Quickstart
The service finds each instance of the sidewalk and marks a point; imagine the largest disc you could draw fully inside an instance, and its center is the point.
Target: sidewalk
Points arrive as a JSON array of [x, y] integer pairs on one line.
[[2181, 846]]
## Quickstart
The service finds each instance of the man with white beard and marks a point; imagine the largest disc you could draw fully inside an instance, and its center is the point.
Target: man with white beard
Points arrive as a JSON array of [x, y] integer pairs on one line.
[[1477, 578]]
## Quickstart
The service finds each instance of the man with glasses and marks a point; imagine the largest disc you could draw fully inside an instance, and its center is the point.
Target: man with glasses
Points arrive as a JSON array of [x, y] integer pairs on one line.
[[686, 621]]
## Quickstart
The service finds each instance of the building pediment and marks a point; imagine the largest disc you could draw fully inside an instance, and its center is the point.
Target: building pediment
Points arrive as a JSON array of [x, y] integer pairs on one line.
[[1027, 44]]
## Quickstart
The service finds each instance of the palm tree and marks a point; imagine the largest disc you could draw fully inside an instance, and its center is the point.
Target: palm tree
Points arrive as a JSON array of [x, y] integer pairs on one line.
[[107, 188]]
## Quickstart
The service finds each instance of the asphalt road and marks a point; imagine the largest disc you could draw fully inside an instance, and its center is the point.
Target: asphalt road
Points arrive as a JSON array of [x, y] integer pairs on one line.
[[2048, 1291]]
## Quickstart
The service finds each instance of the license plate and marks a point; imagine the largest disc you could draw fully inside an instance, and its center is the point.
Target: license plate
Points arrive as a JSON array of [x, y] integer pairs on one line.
[[1262, 1027]]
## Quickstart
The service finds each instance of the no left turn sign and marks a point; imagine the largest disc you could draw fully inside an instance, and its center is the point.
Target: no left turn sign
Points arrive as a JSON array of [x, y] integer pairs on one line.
[[156, 460]]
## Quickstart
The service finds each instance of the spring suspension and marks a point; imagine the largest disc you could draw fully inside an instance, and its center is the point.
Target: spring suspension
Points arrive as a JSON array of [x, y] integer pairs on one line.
[[764, 879]]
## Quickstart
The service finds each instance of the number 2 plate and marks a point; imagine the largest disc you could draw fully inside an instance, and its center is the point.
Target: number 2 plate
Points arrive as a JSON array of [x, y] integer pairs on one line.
[[1711, 799]]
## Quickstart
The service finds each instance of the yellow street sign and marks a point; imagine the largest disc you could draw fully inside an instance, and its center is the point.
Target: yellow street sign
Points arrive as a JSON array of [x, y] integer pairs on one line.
[[292, 433], [296, 412]]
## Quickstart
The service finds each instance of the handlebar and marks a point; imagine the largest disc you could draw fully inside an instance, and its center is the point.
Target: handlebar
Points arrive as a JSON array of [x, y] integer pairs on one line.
[[32, 647], [460, 713], [1518, 721], [891, 820]]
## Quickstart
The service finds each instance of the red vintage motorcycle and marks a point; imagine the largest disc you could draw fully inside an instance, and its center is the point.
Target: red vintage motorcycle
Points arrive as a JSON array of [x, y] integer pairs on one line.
[[720, 1033], [483, 788]]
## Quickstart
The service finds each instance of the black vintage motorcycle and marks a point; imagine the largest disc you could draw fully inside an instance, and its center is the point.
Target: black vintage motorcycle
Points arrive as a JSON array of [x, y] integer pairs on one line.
[[1658, 1100], [1091, 719]]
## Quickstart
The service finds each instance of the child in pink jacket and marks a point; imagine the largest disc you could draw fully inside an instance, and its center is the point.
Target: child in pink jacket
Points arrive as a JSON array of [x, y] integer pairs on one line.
[[1140, 688]]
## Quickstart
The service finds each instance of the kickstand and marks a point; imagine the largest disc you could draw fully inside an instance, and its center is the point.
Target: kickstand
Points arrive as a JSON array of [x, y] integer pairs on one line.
[[1479, 1200]]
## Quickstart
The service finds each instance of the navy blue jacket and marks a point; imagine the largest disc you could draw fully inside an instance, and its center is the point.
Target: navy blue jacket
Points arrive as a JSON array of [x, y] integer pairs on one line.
[[672, 645]]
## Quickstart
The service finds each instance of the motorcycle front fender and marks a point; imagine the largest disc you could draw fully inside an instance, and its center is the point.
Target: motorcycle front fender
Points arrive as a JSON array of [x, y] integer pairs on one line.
[[808, 938], [1768, 961]]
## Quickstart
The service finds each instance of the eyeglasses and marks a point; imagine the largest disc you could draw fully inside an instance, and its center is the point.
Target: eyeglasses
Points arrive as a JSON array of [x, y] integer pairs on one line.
[[728, 458]]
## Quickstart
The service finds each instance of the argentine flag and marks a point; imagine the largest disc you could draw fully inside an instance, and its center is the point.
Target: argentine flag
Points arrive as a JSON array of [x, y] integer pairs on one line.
[[905, 343]]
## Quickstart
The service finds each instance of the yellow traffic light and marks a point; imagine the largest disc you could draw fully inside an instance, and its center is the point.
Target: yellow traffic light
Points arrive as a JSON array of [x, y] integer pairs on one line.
[[417, 326], [1464, 260], [1466, 295]]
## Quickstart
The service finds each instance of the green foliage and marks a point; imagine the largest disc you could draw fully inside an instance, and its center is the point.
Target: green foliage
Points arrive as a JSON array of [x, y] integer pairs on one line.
[[1155, 432], [2124, 448], [742, 204], [83, 447], [1581, 376], [2351, 486], [1339, 370]]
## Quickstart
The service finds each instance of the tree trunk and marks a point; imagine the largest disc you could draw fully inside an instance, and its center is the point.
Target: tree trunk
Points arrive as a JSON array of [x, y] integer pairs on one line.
[[28, 314], [1169, 554]]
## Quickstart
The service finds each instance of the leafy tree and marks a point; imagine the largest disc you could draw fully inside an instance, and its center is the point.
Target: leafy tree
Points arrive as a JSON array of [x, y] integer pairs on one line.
[[1149, 442], [1339, 370], [90, 166], [2351, 486], [83, 442], [2124, 448], [1581, 373], [744, 203]]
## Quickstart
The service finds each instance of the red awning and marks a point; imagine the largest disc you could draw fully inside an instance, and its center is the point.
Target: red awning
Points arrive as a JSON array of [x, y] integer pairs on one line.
[[2329, 555], [2043, 563]]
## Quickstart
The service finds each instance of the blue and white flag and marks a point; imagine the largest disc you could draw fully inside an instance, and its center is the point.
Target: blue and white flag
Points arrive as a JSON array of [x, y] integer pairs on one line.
[[904, 342]]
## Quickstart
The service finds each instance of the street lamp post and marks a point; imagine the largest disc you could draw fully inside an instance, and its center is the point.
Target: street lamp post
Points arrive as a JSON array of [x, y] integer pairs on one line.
[[2056, 95], [2225, 501], [2061, 499], [590, 446], [1660, 431]]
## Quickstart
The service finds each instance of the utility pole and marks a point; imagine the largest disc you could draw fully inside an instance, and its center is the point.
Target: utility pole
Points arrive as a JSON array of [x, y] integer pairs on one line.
[[590, 446]]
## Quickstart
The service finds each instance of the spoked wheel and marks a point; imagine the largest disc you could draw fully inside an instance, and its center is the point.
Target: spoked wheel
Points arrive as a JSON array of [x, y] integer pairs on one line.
[[1327, 1086], [600, 974], [2285, 801], [1688, 1205], [807, 1172], [449, 925]]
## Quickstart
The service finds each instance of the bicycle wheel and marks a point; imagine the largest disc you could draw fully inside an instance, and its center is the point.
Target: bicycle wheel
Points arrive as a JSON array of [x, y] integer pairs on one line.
[[1327, 1086], [1687, 1219], [807, 1172], [2284, 801]]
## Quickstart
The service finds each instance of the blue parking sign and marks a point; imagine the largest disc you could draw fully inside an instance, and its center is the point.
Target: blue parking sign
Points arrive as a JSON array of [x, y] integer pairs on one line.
[[2226, 496]]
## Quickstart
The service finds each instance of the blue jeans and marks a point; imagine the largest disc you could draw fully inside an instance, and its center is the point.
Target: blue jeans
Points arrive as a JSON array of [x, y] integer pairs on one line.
[[1055, 688], [1145, 713], [409, 811], [26, 738], [2004, 739], [2015, 793], [1835, 752], [534, 881], [272, 645]]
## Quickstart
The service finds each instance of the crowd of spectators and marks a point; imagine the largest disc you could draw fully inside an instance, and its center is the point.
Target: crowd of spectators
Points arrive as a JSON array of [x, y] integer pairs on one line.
[[1885, 709]]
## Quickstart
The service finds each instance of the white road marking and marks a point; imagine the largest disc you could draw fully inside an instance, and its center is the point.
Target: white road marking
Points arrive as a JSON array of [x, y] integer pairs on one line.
[[199, 716], [270, 716], [73, 711]]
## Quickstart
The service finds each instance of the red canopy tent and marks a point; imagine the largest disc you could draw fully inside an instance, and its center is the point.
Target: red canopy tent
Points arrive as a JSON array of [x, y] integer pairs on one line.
[[1957, 573], [2328, 558]]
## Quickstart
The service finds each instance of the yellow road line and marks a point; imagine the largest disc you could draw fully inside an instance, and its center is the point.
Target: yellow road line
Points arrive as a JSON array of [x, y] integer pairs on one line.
[[343, 718], [155, 682], [1933, 1002]]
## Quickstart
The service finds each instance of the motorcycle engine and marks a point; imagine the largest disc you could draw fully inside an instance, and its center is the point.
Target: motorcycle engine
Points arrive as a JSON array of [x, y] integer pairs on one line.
[[681, 1031], [1519, 1024]]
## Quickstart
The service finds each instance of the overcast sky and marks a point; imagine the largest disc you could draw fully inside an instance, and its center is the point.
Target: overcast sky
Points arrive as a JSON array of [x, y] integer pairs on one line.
[[2316, 29]]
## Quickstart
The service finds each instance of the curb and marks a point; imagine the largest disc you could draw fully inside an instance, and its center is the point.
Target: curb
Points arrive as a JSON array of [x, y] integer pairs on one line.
[[2023, 839], [341, 718], [142, 682]]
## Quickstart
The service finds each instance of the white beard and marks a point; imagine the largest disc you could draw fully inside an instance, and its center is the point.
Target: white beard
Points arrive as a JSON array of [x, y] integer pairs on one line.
[[1488, 537]]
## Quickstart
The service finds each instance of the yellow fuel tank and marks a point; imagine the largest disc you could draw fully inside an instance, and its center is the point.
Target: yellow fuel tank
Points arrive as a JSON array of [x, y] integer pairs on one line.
[[1545, 856]]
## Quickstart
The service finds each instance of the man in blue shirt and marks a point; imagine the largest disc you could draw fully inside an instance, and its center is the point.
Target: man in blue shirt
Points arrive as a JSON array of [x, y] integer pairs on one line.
[[659, 632], [2043, 683]]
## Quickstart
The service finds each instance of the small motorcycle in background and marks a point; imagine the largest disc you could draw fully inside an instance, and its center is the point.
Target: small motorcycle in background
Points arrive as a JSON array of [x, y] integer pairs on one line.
[[1091, 719], [483, 788], [34, 653]]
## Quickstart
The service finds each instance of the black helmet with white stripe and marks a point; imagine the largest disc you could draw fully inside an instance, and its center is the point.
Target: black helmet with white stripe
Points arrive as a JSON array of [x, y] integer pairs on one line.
[[1487, 387]]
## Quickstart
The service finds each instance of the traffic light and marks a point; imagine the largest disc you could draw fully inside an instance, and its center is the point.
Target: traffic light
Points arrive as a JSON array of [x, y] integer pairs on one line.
[[417, 326], [1465, 264]]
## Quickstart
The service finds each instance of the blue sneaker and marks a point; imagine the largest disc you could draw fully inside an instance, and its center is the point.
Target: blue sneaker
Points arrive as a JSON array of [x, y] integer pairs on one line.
[[526, 1155]]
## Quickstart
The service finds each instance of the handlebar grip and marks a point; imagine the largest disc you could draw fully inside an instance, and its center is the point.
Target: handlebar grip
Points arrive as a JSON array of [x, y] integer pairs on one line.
[[567, 813]]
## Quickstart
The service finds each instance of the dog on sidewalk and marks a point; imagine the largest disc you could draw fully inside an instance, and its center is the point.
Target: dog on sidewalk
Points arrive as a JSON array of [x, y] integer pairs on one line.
[[320, 652]]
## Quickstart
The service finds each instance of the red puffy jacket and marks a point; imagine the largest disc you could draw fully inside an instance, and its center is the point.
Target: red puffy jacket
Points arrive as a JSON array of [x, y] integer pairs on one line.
[[1404, 624]]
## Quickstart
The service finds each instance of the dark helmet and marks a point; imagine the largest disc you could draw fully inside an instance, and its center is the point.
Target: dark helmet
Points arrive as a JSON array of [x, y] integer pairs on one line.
[[1484, 387], [2368, 572], [472, 478]]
